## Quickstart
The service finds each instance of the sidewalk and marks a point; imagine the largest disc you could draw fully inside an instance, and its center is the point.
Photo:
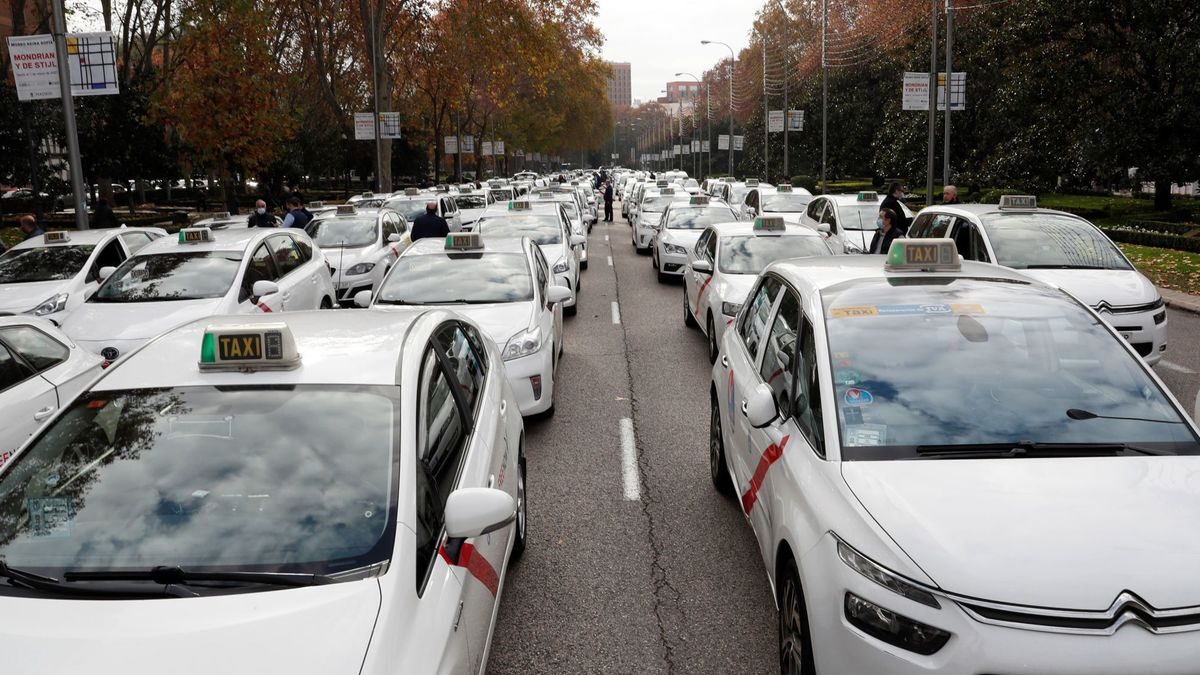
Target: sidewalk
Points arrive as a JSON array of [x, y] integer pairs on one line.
[[1180, 300]]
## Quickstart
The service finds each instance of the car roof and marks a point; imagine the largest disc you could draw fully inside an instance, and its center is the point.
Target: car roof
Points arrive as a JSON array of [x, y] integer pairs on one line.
[[358, 213], [739, 228], [977, 210], [431, 245], [359, 347], [81, 237], [222, 240], [825, 271], [852, 199]]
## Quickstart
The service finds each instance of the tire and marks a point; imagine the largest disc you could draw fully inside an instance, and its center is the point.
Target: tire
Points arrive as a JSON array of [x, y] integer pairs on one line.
[[795, 644], [688, 319], [521, 533], [713, 348], [326, 303], [572, 310], [717, 468], [583, 265], [664, 278]]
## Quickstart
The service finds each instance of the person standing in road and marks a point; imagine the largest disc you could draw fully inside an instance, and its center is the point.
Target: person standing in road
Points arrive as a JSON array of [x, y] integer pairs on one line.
[[608, 200], [892, 202], [430, 224], [30, 228], [950, 195], [103, 216], [260, 217], [297, 216], [885, 232]]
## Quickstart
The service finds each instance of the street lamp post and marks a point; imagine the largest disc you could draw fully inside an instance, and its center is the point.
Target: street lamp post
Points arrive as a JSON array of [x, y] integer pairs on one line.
[[694, 161], [732, 61]]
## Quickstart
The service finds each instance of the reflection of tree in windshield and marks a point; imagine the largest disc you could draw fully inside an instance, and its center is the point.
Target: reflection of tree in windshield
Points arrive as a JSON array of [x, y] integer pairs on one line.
[[47, 263], [172, 276]]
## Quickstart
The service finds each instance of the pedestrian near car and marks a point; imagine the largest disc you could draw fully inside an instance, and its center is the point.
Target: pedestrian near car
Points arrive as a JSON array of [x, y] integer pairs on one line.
[[608, 200], [261, 217], [103, 216], [30, 228], [886, 232], [430, 224], [892, 202], [950, 195], [297, 216]]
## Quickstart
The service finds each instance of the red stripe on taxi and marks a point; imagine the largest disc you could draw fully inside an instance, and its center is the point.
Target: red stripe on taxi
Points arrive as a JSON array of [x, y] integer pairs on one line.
[[769, 457], [470, 559]]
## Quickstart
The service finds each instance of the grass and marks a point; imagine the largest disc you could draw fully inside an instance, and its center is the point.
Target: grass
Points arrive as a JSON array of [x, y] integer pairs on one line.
[[1111, 205], [1177, 270]]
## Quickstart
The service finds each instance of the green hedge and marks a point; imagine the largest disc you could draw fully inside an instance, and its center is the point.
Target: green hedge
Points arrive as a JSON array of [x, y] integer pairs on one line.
[[807, 182], [1156, 239]]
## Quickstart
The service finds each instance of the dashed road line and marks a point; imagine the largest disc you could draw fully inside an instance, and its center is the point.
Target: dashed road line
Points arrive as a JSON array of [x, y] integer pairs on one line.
[[610, 261], [616, 314], [1176, 367], [631, 479]]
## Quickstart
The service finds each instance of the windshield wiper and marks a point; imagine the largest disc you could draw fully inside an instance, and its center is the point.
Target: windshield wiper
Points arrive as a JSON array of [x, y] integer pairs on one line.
[[1031, 449], [167, 575], [37, 582], [29, 579]]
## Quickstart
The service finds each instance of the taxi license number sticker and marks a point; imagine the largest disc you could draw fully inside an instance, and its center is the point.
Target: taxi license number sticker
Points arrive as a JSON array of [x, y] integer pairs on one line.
[[856, 396], [866, 435], [847, 376], [240, 347], [50, 517]]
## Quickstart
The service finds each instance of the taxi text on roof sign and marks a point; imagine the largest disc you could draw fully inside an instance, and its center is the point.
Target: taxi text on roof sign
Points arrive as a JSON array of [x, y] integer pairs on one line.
[[1018, 202], [698, 200], [868, 196], [751, 182], [768, 224], [464, 241], [784, 187], [411, 192], [923, 255], [249, 347], [346, 210], [520, 206], [195, 235], [57, 237]]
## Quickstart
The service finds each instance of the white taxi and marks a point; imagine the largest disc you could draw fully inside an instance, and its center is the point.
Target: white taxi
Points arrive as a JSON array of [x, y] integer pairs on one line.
[[200, 273], [51, 275], [679, 228], [369, 200], [649, 215], [849, 220], [724, 263], [205, 493], [784, 201], [412, 206], [950, 467], [570, 203], [1062, 249], [546, 223], [471, 205], [505, 286], [359, 245], [40, 370]]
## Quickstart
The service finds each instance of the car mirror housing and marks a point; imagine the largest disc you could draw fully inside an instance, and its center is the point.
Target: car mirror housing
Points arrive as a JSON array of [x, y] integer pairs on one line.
[[556, 294], [760, 408], [362, 299], [264, 288], [702, 266], [474, 512]]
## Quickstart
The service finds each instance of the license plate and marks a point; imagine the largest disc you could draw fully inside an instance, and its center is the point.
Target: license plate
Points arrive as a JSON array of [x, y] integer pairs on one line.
[[1127, 336], [244, 347]]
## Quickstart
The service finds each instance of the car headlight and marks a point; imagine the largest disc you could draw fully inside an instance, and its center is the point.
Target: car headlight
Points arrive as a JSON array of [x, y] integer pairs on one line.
[[731, 308], [892, 628], [360, 268], [880, 575], [561, 267], [677, 250], [522, 344], [55, 303]]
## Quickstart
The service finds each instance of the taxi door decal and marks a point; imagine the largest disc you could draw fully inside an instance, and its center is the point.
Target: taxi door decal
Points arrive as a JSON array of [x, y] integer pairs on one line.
[[700, 294], [264, 307], [470, 559], [769, 457]]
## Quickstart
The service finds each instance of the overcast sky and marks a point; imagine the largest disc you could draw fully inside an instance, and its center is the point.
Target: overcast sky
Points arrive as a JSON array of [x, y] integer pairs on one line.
[[662, 37]]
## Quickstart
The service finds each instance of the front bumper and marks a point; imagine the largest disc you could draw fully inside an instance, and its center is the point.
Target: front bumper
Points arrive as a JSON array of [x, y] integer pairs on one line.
[[520, 373], [643, 236], [671, 263], [1148, 339]]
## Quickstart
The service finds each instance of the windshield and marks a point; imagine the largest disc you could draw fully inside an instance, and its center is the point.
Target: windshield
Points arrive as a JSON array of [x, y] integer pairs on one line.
[[785, 203], [339, 232], [411, 209], [228, 478], [657, 204], [858, 216], [440, 278], [682, 218], [471, 201], [502, 194], [542, 229], [171, 276], [984, 362], [691, 182], [750, 254], [45, 263], [1047, 241]]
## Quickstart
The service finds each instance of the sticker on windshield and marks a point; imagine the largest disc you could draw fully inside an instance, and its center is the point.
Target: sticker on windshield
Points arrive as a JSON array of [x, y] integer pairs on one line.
[[866, 434], [50, 517], [856, 396], [954, 309], [847, 312], [847, 377]]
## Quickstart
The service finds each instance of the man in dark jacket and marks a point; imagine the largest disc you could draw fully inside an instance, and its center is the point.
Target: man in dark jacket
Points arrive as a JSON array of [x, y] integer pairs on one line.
[[297, 215], [608, 200], [892, 201], [260, 217], [30, 228], [430, 224], [886, 233]]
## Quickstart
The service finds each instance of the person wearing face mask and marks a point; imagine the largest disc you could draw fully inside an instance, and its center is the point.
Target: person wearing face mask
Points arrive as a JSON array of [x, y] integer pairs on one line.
[[886, 232], [260, 217]]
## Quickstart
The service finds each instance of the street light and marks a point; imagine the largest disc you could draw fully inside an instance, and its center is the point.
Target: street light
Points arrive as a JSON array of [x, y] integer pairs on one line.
[[695, 161], [732, 61]]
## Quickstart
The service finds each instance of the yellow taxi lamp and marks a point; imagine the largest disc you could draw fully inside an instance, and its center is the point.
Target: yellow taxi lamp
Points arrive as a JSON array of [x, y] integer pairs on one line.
[[1018, 202], [195, 235], [764, 224], [923, 255], [56, 237], [248, 347], [868, 196], [464, 241]]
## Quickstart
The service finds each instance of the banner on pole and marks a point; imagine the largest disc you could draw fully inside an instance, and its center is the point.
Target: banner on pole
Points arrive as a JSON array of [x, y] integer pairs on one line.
[[364, 127], [916, 91], [389, 125], [91, 63], [795, 120], [468, 144], [775, 121], [499, 147], [487, 148], [451, 145], [723, 142], [738, 142]]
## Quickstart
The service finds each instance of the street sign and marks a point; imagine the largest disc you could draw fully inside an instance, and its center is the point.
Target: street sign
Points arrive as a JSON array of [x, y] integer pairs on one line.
[[450, 144], [389, 125], [775, 121], [687, 148], [738, 141], [723, 142], [364, 126], [487, 148], [916, 91], [499, 147], [614, 156], [695, 146], [468, 144], [707, 147], [795, 120], [91, 61]]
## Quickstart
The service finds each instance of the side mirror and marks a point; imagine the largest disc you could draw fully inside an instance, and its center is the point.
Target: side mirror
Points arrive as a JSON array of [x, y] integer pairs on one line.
[[106, 272], [578, 240], [824, 229], [393, 238], [473, 512], [362, 299], [702, 266], [760, 408], [264, 288], [556, 294]]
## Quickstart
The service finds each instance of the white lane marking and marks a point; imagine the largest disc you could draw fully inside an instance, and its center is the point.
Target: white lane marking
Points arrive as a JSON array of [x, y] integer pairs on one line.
[[606, 237], [610, 261], [1196, 408], [616, 313], [629, 463], [1176, 367]]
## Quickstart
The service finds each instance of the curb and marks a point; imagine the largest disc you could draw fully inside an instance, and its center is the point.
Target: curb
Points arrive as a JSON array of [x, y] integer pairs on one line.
[[1180, 301]]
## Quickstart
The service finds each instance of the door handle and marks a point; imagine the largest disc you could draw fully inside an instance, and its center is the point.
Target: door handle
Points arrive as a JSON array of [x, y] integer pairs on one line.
[[503, 407], [745, 409], [725, 361], [492, 481], [43, 413]]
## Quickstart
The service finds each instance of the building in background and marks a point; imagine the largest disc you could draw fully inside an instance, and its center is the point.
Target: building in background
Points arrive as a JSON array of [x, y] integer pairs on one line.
[[620, 89], [682, 94]]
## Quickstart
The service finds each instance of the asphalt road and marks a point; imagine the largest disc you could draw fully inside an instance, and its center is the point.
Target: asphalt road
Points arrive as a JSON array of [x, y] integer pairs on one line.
[[633, 565], [1180, 365]]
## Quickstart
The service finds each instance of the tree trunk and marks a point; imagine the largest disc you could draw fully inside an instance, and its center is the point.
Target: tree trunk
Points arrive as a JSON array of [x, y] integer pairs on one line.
[[1162, 195]]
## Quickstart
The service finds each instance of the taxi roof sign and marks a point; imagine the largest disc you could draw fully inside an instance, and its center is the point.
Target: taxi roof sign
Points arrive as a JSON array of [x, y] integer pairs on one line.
[[346, 210], [545, 195], [1018, 202], [751, 182], [667, 191], [923, 255], [769, 224], [443, 188], [520, 206], [464, 241], [316, 205], [248, 347], [784, 187], [412, 192], [698, 200], [56, 237], [367, 195], [728, 179], [195, 235], [662, 183], [866, 196]]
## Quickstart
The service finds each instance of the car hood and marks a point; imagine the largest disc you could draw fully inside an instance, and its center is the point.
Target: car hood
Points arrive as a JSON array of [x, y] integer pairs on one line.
[[553, 253], [500, 321], [18, 298], [318, 629], [1069, 533], [794, 217], [345, 258], [98, 321], [735, 287], [1116, 287], [684, 238]]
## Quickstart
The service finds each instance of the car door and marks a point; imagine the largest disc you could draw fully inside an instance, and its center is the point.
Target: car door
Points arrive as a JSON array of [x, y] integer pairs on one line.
[[750, 205], [696, 283], [27, 399], [740, 359], [298, 289], [260, 267], [541, 271]]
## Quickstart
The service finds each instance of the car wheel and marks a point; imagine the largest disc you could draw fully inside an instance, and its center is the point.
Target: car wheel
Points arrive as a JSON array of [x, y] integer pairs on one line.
[[713, 347], [326, 303], [572, 310], [688, 319], [583, 265], [717, 468], [521, 532], [663, 277], [795, 646]]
